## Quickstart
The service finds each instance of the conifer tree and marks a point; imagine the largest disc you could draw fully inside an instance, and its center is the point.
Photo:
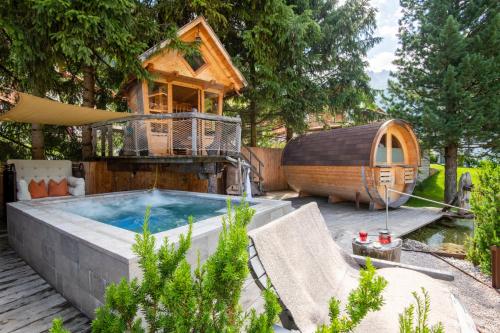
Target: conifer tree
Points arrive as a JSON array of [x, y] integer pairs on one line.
[[447, 80]]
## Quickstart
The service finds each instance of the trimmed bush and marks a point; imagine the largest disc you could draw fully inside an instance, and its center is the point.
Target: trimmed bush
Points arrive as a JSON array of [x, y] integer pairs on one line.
[[486, 207]]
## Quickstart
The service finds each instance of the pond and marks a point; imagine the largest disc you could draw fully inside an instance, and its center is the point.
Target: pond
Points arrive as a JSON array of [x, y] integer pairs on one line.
[[445, 235]]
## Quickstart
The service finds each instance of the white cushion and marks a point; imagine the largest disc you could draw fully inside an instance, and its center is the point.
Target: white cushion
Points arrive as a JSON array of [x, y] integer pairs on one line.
[[76, 186], [22, 190]]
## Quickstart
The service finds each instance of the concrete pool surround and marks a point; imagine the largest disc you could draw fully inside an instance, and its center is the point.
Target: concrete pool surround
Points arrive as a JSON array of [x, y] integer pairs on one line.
[[80, 256]]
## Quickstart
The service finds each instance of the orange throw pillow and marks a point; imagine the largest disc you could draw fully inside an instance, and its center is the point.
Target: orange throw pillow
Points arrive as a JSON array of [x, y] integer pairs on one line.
[[58, 189], [37, 189]]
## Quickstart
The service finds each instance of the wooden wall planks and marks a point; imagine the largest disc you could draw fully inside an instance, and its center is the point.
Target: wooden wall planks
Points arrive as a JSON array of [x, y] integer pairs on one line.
[[98, 179], [274, 175]]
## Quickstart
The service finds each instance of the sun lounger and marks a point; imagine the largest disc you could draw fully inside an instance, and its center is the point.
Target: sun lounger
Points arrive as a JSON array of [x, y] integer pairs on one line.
[[306, 269]]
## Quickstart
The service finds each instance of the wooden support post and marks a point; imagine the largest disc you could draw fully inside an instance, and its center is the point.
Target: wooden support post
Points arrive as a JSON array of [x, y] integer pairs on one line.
[[104, 132], [212, 183], [332, 198], [110, 141], [194, 136], [358, 196], [495, 266]]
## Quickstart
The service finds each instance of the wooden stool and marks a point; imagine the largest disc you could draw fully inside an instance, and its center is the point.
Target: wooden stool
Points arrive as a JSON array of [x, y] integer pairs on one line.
[[391, 252]]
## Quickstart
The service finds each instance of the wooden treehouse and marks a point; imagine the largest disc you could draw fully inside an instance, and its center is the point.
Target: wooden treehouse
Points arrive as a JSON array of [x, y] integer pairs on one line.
[[355, 163], [178, 116]]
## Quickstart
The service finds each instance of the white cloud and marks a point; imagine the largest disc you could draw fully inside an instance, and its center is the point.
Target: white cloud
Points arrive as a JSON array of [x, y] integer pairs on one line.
[[380, 61], [387, 31]]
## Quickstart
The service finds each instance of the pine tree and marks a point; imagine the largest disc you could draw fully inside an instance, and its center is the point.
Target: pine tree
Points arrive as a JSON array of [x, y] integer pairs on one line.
[[447, 80]]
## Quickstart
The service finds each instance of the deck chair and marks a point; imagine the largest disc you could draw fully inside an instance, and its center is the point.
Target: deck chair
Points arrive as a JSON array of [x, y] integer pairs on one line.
[[307, 268]]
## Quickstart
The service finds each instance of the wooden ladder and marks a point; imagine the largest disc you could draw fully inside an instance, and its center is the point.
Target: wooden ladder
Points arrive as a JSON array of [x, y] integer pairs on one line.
[[256, 166]]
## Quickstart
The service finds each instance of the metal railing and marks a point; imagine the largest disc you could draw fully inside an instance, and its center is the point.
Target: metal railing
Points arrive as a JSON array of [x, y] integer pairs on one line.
[[171, 134]]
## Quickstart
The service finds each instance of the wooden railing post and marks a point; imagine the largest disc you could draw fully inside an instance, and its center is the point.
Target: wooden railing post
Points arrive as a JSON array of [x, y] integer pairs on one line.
[[194, 138], [110, 140], [495, 267], [104, 131]]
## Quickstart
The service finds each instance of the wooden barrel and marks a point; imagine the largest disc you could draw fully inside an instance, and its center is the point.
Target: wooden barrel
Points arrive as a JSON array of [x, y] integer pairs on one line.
[[355, 163]]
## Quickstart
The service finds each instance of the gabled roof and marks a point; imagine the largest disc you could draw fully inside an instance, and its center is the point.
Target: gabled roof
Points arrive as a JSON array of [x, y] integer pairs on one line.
[[200, 20]]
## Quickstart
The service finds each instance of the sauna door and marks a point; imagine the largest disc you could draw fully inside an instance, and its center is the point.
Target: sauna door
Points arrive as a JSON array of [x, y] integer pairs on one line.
[[390, 160]]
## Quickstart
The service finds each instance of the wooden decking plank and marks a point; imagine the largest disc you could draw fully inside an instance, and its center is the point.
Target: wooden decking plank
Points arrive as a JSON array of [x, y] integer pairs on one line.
[[22, 301], [32, 312], [6, 267], [17, 273], [45, 323], [15, 269], [77, 324], [4, 301], [6, 258], [16, 289], [27, 302], [5, 261], [4, 287]]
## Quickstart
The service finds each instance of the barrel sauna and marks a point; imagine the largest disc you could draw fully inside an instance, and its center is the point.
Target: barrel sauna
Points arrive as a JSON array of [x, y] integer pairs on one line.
[[355, 163]]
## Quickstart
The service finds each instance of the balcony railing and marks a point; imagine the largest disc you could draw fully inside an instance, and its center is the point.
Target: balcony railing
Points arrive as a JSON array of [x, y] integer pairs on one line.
[[170, 134]]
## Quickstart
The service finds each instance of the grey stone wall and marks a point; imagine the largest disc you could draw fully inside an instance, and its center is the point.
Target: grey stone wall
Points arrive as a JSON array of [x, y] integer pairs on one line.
[[425, 165], [74, 268]]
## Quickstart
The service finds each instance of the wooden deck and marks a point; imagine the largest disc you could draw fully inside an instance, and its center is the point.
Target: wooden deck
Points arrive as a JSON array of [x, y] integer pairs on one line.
[[27, 302], [345, 221]]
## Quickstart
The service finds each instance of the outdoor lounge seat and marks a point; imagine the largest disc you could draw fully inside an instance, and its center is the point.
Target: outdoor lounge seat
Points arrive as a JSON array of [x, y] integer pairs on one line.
[[37, 170], [307, 268]]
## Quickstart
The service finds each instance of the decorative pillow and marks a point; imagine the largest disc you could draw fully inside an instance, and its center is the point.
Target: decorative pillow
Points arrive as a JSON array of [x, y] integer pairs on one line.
[[22, 190], [38, 189], [76, 186], [58, 189]]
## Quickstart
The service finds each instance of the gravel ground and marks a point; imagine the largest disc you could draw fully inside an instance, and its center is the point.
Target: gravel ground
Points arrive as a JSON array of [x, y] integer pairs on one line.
[[481, 301]]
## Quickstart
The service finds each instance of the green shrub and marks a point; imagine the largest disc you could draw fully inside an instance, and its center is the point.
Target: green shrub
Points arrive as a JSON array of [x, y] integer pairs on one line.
[[365, 298], [486, 207], [174, 298], [407, 322]]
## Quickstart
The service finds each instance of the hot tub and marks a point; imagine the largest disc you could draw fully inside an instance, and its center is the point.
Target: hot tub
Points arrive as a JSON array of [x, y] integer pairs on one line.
[[80, 245]]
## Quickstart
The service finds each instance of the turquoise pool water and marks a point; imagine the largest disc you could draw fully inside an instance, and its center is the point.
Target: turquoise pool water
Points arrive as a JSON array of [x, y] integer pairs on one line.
[[168, 211]]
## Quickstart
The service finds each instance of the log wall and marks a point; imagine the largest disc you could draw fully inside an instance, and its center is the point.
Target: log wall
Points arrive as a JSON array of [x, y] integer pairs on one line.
[[99, 179], [274, 175]]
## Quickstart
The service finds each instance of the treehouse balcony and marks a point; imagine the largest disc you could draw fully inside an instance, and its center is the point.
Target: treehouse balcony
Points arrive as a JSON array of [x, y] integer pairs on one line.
[[169, 137]]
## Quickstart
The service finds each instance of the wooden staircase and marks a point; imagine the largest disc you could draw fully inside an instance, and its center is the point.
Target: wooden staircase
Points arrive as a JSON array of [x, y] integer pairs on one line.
[[256, 166]]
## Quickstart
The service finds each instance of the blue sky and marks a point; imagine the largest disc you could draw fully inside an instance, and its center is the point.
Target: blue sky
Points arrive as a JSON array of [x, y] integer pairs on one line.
[[382, 55]]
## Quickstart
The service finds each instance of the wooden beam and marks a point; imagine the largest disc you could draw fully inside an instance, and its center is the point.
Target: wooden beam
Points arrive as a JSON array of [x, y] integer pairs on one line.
[[173, 76], [377, 263]]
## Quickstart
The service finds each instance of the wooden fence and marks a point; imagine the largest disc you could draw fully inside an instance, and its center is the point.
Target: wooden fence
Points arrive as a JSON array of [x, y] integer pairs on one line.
[[100, 179], [273, 174]]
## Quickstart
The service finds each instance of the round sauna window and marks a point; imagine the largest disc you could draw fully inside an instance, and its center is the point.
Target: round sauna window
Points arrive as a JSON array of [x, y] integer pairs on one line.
[[382, 150], [397, 151]]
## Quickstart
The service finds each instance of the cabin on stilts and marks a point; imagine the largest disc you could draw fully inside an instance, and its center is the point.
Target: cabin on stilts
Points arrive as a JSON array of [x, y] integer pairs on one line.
[[178, 119], [355, 163]]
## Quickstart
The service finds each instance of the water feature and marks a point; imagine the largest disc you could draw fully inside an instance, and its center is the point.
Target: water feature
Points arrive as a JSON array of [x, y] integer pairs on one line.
[[445, 235], [167, 211]]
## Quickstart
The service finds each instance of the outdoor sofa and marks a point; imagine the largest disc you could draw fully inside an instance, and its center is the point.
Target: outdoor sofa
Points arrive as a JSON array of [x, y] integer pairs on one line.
[[307, 268], [19, 174]]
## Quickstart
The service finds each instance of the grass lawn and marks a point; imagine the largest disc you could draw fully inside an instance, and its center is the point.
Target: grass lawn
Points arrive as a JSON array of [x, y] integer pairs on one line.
[[433, 187]]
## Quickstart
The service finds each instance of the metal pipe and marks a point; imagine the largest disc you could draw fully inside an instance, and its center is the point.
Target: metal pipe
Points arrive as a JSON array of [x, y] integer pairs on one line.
[[421, 198], [386, 208]]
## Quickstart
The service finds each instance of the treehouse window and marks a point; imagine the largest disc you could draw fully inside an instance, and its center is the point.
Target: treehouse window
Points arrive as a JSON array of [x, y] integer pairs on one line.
[[195, 61], [397, 151], [382, 150], [158, 97], [211, 102]]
